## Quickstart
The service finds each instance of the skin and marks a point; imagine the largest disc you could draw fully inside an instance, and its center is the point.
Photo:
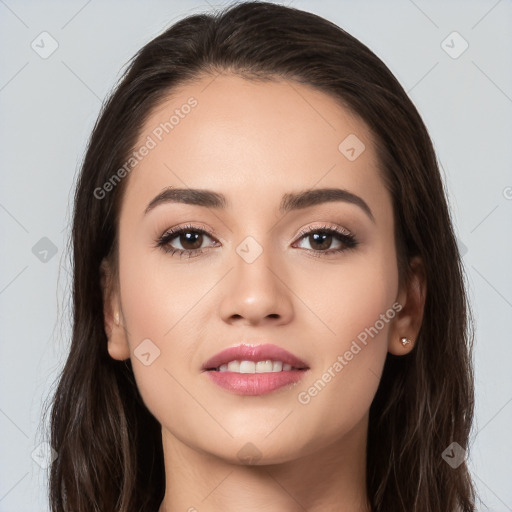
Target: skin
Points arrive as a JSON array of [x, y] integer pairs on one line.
[[254, 142]]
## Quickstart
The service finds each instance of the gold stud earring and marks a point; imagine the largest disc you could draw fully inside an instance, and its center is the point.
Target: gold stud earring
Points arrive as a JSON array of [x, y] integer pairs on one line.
[[405, 341], [116, 317]]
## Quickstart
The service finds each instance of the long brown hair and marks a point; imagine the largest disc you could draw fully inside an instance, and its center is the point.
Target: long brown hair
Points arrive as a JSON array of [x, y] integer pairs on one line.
[[109, 445]]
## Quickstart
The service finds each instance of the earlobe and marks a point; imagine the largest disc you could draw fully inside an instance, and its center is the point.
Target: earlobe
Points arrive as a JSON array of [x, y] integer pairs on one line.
[[406, 326], [117, 344]]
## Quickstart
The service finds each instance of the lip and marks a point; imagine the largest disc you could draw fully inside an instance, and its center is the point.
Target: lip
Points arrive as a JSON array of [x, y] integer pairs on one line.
[[254, 353], [253, 384]]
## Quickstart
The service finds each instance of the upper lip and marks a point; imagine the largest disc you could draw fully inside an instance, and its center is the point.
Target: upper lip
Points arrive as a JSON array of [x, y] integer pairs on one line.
[[253, 353]]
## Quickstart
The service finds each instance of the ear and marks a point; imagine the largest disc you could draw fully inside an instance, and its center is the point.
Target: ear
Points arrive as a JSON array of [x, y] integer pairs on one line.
[[408, 320], [118, 347]]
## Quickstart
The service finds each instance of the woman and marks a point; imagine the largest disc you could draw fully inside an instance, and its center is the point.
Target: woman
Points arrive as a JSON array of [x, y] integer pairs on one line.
[[269, 305]]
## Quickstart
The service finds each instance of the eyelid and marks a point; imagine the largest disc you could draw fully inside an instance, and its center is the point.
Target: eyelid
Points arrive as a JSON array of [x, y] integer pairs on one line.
[[191, 227], [324, 225]]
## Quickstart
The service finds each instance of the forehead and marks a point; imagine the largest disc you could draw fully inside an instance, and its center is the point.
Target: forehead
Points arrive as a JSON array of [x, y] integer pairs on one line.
[[255, 138]]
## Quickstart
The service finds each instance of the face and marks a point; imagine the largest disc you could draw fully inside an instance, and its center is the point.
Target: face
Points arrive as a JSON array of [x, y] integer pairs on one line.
[[317, 278]]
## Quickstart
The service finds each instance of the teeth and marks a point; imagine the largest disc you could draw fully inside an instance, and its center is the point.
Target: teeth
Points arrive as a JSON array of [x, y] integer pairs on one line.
[[267, 366], [247, 367], [277, 366], [234, 366], [263, 366]]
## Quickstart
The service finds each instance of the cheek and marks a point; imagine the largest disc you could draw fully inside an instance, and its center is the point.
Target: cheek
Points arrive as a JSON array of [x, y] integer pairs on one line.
[[159, 298], [159, 308], [346, 297], [357, 307]]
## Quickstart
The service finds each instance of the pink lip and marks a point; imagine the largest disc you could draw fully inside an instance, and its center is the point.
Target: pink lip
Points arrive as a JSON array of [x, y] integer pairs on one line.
[[253, 353], [254, 383]]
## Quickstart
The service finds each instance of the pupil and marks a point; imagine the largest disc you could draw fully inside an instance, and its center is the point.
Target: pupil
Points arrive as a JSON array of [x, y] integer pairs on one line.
[[189, 238], [326, 237]]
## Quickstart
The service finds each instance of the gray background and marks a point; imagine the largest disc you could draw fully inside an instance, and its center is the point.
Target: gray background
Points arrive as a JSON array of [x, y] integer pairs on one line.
[[48, 107]]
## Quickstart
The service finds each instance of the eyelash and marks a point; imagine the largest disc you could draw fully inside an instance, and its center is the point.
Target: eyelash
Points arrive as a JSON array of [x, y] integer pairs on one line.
[[348, 239]]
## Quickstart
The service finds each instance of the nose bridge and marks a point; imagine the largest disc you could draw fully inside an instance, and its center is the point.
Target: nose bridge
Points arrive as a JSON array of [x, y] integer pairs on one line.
[[256, 290], [254, 259], [253, 236]]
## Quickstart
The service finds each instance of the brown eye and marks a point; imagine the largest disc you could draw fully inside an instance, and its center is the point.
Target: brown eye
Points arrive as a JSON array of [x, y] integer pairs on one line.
[[188, 240], [320, 240]]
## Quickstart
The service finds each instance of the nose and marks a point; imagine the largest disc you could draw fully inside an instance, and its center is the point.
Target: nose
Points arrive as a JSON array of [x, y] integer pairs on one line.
[[255, 292]]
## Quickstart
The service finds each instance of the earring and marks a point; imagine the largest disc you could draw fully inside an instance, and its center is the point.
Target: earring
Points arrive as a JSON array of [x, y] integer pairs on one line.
[[405, 341], [116, 317]]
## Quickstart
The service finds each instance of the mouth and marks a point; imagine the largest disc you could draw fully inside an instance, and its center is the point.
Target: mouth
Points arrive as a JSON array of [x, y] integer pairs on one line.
[[266, 358], [265, 366], [254, 369]]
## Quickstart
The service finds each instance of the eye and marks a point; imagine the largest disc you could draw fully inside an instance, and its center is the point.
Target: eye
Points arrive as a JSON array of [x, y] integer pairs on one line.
[[321, 238], [190, 238]]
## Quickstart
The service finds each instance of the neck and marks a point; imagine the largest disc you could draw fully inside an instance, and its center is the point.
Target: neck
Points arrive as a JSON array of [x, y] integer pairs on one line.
[[330, 478]]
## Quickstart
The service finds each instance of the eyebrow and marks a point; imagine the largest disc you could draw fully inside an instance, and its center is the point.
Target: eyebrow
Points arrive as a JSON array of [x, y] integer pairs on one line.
[[289, 202]]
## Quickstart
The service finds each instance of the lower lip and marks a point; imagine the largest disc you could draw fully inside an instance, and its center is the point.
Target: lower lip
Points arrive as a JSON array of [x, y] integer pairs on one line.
[[253, 384]]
